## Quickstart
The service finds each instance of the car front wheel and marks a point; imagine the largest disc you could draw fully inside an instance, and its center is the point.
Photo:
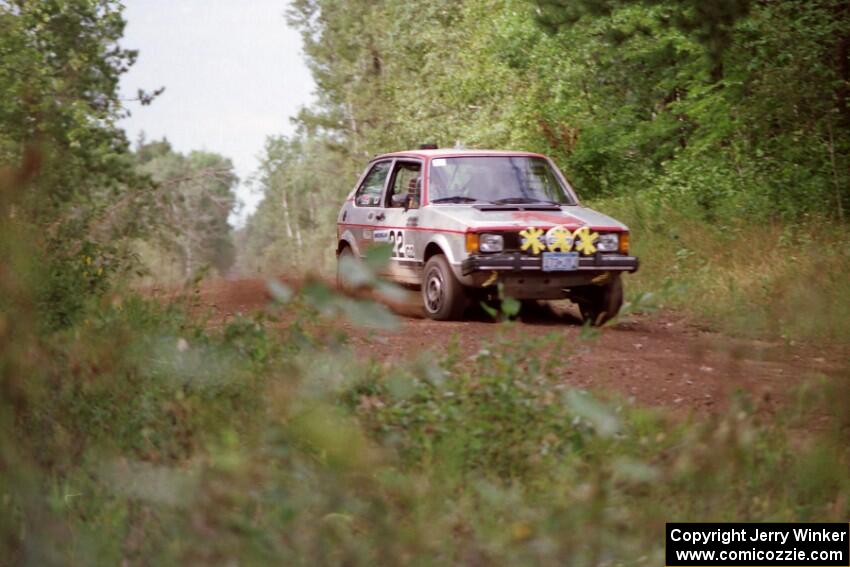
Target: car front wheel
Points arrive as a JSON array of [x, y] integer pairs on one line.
[[442, 295], [345, 255], [600, 304]]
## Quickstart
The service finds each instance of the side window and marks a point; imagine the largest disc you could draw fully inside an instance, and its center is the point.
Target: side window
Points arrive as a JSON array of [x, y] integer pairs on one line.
[[406, 186], [369, 193]]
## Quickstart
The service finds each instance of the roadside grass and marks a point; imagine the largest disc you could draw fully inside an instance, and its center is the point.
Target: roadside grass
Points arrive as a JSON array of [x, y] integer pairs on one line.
[[765, 280], [139, 436]]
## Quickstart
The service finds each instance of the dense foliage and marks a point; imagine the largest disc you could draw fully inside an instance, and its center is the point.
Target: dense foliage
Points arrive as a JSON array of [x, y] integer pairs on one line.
[[60, 63], [143, 437], [194, 199], [90, 204], [301, 180]]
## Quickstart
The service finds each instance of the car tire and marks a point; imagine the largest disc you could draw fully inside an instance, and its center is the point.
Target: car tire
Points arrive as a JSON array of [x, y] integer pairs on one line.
[[443, 296], [602, 303], [341, 285]]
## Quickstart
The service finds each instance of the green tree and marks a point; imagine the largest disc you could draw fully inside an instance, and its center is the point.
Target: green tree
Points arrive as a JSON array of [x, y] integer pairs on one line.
[[194, 197], [60, 63], [745, 101], [302, 179]]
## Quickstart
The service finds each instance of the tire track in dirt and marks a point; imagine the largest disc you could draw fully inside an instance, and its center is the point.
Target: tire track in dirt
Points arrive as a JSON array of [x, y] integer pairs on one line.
[[660, 359]]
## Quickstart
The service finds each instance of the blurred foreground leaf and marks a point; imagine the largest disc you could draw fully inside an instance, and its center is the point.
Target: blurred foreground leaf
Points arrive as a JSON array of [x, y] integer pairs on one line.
[[603, 420], [281, 292], [378, 255]]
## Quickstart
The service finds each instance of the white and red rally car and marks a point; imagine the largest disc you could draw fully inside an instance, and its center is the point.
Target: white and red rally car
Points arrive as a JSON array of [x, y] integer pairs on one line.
[[460, 222]]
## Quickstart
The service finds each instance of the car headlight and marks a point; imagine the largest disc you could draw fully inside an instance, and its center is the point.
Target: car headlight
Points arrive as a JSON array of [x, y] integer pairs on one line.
[[491, 243], [608, 242]]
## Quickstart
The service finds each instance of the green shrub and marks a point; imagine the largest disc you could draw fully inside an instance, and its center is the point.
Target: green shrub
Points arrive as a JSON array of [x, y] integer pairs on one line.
[[758, 279], [139, 435]]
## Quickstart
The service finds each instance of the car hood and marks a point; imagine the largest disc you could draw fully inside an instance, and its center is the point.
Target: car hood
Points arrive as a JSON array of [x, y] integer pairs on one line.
[[571, 217]]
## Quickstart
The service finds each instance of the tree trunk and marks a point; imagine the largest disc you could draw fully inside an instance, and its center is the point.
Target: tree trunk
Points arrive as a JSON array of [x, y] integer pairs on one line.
[[286, 216], [844, 76]]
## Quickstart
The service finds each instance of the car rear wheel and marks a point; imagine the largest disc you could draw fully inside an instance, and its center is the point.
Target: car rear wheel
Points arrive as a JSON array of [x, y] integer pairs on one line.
[[600, 304], [442, 295]]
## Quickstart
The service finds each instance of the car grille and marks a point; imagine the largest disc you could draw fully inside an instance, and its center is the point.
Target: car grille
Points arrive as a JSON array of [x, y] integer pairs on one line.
[[513, 242]]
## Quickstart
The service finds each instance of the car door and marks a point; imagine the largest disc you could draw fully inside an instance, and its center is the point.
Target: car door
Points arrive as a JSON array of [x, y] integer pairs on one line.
[[367, 214], [401, 211]]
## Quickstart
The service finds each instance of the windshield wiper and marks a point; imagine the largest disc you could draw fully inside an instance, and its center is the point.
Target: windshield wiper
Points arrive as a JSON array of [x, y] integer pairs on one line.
[[455, 199], [522, 201]]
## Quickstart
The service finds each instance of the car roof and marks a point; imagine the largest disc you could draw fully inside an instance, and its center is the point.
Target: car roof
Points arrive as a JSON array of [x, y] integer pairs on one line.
[[454, 152]]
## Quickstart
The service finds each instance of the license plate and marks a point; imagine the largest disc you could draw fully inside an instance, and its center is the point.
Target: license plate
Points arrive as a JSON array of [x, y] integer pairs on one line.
[[560, 261]]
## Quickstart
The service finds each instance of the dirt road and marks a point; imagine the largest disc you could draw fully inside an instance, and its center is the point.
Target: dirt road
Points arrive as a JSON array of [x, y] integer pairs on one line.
[[659, 359]]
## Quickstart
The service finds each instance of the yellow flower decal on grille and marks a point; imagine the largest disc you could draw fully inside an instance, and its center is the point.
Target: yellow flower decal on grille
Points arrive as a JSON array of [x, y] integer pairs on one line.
[[584, 240], [559, 239], [531, 239]]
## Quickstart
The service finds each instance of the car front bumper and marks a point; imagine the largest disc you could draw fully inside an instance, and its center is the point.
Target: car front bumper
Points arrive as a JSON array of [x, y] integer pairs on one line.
[[515, 262]]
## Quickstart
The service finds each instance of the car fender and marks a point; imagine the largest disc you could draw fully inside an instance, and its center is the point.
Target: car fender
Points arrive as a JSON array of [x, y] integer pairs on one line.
[[347, 238], [452, 246]]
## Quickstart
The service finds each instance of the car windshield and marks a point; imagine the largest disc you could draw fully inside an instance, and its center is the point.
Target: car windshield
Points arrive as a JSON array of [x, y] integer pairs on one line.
[[495, 179]]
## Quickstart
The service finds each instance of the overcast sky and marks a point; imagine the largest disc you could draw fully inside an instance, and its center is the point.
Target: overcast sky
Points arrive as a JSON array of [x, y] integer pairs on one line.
[[233, 73]]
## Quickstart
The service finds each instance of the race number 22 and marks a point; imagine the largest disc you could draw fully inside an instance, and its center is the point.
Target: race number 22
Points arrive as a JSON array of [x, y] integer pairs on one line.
[[396, 238]]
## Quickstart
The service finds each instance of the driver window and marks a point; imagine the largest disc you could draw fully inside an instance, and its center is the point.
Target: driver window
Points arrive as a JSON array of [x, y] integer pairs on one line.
[[369, 193], [406, 186]]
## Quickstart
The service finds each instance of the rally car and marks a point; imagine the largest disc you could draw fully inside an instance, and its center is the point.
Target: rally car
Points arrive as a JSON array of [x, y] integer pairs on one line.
[[467, 224]]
